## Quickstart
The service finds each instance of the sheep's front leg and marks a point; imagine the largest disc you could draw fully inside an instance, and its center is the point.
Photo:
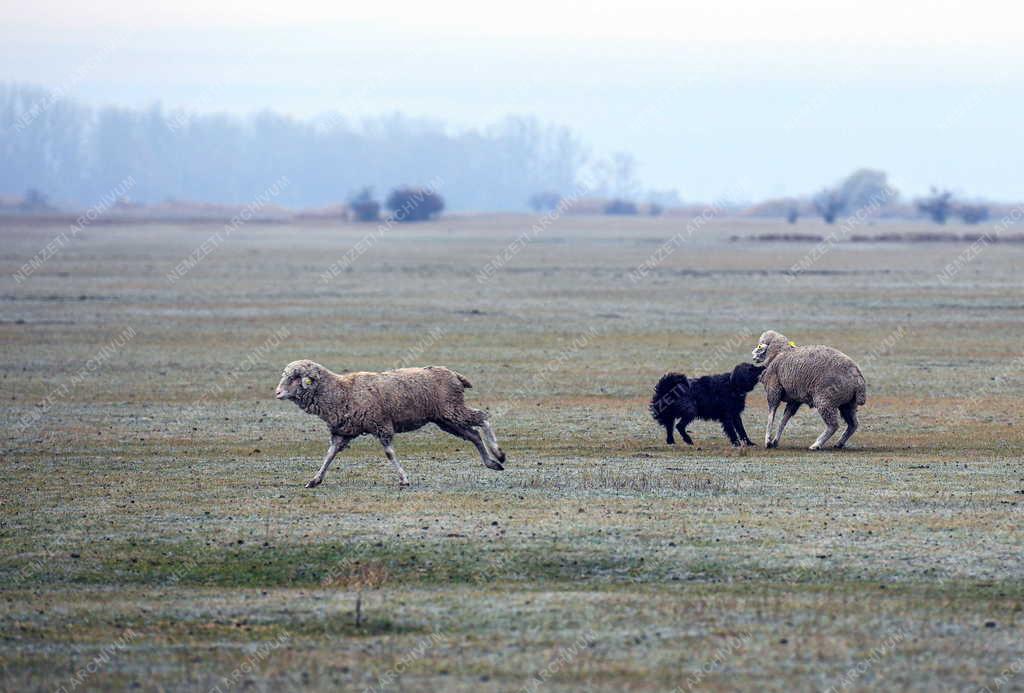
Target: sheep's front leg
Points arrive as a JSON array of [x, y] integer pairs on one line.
[[338, 443], [791, 409], [403, 480], [772, 408]]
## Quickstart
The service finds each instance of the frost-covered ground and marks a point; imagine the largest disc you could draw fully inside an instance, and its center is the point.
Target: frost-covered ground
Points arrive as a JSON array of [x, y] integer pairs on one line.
[[155, 530]]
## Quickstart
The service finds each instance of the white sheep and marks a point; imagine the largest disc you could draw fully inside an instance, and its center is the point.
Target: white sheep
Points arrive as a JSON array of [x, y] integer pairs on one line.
[[818, 376], [383, 404]]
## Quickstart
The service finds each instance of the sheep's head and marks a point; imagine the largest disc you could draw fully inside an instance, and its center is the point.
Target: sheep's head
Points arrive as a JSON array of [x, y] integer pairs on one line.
[[744, 377], [299, 380], [769, 346]]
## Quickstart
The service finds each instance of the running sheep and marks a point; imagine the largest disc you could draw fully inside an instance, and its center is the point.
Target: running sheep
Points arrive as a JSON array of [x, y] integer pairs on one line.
[[383, 404]]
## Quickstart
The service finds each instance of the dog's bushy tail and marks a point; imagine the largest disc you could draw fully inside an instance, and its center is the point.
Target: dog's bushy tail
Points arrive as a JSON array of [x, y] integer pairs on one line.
[[666, 392]]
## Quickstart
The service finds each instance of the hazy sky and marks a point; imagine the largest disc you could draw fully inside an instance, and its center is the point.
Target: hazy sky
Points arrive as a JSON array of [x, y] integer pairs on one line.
[[738, 99]]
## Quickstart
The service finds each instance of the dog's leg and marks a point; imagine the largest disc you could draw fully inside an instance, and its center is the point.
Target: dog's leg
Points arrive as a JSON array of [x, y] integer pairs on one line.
[[737, 423], [669, 438], [681, 427], [730, 431]]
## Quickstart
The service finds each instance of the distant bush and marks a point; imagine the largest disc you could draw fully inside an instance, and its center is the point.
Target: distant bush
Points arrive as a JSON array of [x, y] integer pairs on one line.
[[620, 207], [544, 201], [937, 206], [654, 209], [364, 207], [829, 203], [414, 204], [792, 214], [864, 189], [973, 214], [34, 201]]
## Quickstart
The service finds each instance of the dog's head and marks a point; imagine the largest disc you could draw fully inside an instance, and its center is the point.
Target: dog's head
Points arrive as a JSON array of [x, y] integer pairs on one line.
[[744, 377]]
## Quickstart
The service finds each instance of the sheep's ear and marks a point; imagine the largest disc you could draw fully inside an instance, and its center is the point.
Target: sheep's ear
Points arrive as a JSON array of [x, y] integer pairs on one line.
[[307, 381], [792, 344]]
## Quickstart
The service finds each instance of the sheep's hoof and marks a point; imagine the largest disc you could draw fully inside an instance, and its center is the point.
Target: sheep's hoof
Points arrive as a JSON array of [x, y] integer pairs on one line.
[[840, 446], [491, 464], [404, 482], [501, 456], [314, 482], [771, 444], [814, 446]]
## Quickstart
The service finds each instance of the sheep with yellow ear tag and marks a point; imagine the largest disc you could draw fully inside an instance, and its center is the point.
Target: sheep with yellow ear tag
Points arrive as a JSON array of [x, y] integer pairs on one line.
[[383, 404], [818, 376]]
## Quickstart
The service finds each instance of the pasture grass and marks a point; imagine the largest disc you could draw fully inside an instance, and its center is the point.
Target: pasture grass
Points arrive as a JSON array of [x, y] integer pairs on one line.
[[155, 532]]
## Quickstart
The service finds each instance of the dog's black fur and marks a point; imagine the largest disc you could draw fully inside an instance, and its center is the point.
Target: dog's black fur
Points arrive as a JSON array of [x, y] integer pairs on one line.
[[709, 398]]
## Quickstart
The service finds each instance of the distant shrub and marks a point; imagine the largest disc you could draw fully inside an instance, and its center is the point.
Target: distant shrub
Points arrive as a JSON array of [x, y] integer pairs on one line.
[[829, 203], [937, 206], [364, 207], [34, 201], [544, 201], [414, 204], [792, 214], [864, 190], [620, 207], [654, 209], [974, 214]]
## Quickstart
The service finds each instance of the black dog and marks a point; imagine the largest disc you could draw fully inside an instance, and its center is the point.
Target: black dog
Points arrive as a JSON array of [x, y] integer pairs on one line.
[[709, 398]]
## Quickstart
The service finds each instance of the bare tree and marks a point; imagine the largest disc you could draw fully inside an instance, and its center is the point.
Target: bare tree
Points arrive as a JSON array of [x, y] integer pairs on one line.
[[938, 205]]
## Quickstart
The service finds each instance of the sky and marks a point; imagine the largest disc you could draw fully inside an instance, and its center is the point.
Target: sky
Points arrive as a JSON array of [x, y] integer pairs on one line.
[[718, 100]]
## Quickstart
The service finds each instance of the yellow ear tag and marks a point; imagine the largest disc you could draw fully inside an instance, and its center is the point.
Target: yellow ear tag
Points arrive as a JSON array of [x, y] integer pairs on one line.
[[792, 344], [306, 382]]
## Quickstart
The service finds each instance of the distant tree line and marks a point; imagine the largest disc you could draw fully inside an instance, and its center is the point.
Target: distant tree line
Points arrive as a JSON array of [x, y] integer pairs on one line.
[[867, 192], [72, 155]]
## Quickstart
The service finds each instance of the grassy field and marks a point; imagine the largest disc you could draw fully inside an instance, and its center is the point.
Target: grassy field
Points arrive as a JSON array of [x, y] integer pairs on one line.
[[156, 534]]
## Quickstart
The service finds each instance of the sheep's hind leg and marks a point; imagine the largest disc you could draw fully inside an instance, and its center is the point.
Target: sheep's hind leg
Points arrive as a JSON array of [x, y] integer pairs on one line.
[[338, 443], [491, 441], [830, 415], [467, 433], [385, 440], [849, 413]]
